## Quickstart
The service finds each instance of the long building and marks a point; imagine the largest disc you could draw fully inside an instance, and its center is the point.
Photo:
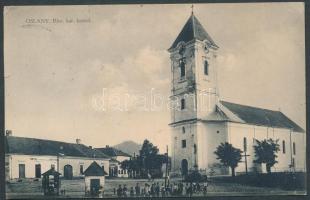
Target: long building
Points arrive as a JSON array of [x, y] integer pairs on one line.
[[30, 157]]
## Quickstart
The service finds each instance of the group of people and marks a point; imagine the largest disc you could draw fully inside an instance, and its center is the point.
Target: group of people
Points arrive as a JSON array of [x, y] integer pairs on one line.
[[157, 190]]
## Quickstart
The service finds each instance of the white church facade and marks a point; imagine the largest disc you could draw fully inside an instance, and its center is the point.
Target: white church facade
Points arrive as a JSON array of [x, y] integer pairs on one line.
[[201, 121]]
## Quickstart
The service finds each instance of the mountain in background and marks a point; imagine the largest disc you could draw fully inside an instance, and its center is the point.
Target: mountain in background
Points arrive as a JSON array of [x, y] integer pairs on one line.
[[129, 147]]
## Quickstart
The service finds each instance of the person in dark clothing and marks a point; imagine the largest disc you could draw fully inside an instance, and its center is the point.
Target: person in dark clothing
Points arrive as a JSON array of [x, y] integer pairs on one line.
[[132, 193], [119, 191], [152, 190], [137, 189], [191, 190], [125, 191], [157, 189]]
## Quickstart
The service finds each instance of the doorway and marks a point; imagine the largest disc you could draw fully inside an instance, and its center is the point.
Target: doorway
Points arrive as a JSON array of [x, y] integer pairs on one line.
[[184, 167], [68, 172], [38, 170], [94, 186]]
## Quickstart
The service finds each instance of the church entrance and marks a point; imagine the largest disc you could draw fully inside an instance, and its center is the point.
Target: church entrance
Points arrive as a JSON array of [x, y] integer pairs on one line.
[[68, 172], [184, 167]]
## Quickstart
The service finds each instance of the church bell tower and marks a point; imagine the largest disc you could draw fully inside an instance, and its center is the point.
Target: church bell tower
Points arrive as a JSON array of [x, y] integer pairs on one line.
[[194, 91]]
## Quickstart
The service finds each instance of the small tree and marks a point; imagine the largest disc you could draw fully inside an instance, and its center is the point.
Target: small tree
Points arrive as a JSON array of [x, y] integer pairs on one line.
[[265, 152], [228, 155]]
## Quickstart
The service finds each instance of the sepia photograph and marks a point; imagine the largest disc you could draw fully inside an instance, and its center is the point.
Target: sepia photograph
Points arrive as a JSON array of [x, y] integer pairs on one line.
[[155, 100]]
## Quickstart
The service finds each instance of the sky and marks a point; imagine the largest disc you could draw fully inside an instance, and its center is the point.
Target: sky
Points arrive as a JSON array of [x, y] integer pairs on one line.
[[86, 71]]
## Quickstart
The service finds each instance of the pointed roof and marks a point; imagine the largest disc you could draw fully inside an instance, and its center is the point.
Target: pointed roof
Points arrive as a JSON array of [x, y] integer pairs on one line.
[[193, 30], [51, 171], [94, 169]]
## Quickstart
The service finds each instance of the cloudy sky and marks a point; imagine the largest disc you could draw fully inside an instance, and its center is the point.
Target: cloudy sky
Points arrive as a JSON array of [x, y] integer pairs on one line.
[[56, 74]]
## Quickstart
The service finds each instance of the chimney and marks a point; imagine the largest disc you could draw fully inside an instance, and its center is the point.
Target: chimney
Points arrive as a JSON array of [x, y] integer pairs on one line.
[[107, 146], [78, 141], [8, 132], [90, 147]]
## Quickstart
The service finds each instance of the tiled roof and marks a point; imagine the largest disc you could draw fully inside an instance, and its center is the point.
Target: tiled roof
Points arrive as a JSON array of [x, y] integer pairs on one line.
[[259, 116], [94, 169], [51, 171], [33, 146], [112, 152], [193, 30]]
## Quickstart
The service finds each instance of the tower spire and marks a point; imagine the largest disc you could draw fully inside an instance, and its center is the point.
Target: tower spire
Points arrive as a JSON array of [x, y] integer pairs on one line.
[[192, 9]]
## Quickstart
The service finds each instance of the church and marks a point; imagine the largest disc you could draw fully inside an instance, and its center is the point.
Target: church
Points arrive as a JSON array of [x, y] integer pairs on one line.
[[201, 121]]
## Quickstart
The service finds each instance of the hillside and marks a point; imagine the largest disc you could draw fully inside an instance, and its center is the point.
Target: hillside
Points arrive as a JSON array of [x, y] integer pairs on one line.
[[129, 147]]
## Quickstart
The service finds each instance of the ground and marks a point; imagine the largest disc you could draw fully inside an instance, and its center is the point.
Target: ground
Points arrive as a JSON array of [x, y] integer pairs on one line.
[[75, 188]]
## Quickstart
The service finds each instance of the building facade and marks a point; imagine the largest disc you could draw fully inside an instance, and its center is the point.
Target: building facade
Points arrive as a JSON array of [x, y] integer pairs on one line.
[[117, 156], [201, 121], [30, 158]]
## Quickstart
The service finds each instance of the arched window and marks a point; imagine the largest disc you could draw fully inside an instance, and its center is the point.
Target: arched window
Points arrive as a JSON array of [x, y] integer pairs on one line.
[[182, 68], [294, 148], [206, 67], [182, 104], [283, 146], [183, 129], [244, 144]]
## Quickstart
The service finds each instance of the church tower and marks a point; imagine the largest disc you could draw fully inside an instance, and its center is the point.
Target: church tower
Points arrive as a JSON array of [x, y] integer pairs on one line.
[[194, 92]]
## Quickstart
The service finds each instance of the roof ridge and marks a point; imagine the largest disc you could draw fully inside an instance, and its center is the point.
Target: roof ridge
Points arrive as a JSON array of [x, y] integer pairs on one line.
[[32, 138], [251, 106], [193, 24]]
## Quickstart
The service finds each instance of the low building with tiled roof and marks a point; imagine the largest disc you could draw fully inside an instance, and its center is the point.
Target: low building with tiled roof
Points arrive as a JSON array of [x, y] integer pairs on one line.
[[30, 157], [117, 156]]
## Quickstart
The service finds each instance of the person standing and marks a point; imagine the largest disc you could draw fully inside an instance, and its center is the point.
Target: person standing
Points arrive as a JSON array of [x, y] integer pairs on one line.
[[125, 191], [119, 191], [137, 189]]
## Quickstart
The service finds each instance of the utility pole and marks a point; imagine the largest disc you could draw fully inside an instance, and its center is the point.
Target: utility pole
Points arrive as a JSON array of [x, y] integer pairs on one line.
[[166, 175], [245, 155]]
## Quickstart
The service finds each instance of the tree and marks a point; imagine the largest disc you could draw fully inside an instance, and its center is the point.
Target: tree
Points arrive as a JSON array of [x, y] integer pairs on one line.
[[149, 159], [131, 165], [265, 152], [228, 155]]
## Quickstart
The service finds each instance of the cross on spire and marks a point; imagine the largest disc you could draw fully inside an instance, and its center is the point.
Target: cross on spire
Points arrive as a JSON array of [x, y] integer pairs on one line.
[[192, 9]]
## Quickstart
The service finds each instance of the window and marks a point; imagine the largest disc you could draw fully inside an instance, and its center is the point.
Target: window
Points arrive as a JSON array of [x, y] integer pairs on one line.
[[206, 67], [182, 68], [293, 162], [21, 170], [183, 143], [294, 148], [244, 144], [52, 166], [182, 104], [195, 148], [183, 129], [119, 171], [283, 146], [81, 169]]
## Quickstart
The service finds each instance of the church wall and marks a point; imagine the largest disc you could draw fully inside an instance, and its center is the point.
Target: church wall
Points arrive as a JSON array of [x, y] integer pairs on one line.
[[236, 133], [178, 153], [210, 136], [188, 112], [206, 85]]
